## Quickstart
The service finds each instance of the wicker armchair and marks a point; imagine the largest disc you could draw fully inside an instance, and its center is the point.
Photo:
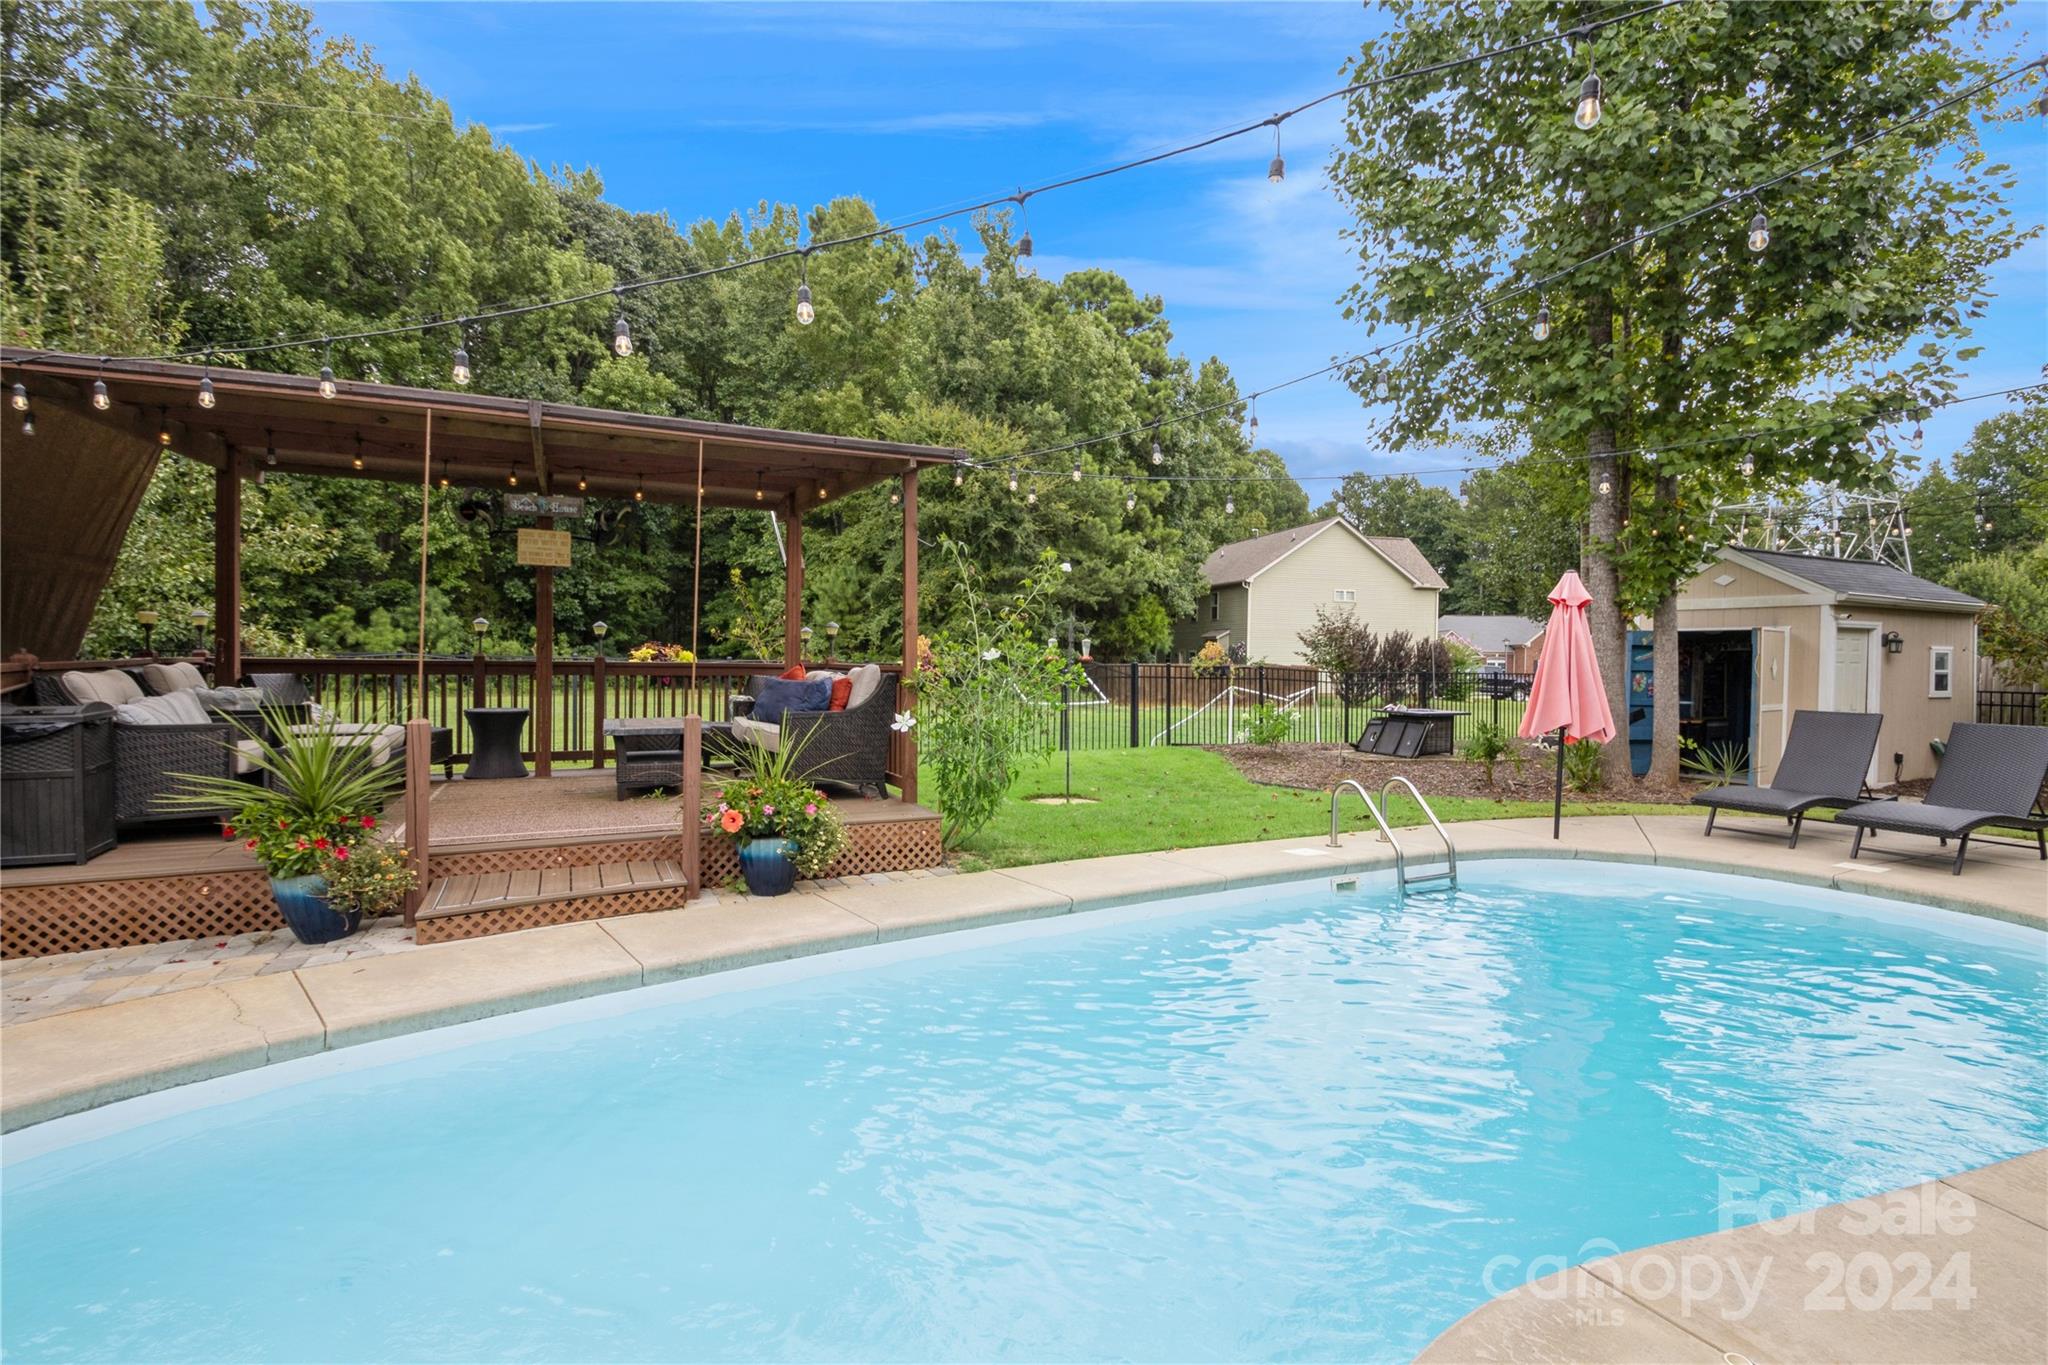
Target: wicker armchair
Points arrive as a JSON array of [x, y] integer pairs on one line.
[[849, 747], [151, 760]]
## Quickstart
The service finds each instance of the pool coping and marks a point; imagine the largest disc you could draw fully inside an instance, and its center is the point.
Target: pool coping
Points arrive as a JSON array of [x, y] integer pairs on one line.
[[1840, 1282], [67, 1063]]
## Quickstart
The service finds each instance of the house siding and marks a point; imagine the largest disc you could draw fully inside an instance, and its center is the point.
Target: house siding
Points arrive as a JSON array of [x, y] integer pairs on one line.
[[1189, 635], [1285, 597]]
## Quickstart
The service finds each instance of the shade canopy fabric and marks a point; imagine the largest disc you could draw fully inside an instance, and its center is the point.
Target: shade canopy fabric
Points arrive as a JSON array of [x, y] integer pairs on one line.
[[1568, 692]]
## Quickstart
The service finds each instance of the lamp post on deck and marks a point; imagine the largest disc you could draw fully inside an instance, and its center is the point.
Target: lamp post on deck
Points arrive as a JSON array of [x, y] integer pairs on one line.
[[831, 639], [804, 648], [600, 630], [147, 619], [199, 617]]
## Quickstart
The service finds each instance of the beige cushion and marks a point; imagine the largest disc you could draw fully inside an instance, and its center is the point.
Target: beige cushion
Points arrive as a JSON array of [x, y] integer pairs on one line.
[[176, 709], [109, 685], [382, 739], [246, 751], [177, 676], [866, 679], [745, 731]]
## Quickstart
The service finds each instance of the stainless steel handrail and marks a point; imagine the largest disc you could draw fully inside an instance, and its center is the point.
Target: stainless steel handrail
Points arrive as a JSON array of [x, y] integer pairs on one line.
[[1450, 849], [1400, 858]]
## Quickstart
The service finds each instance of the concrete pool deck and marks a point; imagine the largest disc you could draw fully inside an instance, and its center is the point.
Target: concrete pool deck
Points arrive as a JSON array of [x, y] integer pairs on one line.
[[67, 1062]]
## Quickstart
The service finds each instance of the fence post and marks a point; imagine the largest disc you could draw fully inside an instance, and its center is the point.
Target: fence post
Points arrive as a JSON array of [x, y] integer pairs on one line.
[[1169, 735], [597, 710], [1134, 706]]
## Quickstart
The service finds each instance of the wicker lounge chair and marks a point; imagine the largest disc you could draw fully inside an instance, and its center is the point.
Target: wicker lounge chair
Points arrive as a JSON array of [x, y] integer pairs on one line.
[[1823, 765], [1990, 775], [849, 748]]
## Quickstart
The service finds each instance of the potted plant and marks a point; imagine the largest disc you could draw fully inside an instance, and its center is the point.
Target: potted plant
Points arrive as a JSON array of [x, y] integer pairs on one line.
[[318, 802], [784, 827], [366, 880]]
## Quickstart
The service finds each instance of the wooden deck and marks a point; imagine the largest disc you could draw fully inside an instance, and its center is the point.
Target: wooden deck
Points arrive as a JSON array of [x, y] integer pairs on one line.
[[158, 888]]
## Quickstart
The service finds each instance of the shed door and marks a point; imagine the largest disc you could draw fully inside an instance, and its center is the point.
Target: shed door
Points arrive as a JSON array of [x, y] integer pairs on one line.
[[1773, 665], [1852, 670]]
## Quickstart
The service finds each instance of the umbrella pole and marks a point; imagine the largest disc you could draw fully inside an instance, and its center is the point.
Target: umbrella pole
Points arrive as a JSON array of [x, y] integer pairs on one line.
[[1557, 808]]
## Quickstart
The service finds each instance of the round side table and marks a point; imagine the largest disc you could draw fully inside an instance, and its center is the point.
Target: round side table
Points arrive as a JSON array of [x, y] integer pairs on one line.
[[494, 733]]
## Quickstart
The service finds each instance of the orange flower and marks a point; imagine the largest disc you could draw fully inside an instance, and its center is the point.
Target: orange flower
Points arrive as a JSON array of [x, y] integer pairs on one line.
[[731, 821]]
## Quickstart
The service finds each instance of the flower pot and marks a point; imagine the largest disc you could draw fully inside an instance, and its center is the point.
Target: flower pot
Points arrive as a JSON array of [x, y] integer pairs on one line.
[[303, 901], [765, 864]]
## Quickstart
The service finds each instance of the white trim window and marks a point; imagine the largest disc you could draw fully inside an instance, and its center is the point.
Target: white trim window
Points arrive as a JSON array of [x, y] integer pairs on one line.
[[1941, 670], [1347, 594]]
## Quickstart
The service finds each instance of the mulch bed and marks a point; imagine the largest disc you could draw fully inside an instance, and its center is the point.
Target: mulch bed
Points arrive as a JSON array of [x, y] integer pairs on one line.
[[1319, 767]]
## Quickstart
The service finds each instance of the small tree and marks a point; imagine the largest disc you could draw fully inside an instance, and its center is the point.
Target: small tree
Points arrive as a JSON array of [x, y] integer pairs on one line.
[[980, 685]]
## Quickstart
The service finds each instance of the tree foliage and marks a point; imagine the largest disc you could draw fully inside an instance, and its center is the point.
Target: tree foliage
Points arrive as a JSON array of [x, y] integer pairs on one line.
[[245, 179]]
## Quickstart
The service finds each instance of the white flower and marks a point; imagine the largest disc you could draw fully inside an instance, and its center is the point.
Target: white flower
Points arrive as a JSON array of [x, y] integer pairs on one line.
[[991, 654], [904, 720]]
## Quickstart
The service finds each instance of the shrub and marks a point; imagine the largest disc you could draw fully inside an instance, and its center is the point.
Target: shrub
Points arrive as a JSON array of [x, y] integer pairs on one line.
[[1724, 764], [1267, 725], [1211, 661], [1582, 765], [1489, 744], [372, 877], [980, 685]]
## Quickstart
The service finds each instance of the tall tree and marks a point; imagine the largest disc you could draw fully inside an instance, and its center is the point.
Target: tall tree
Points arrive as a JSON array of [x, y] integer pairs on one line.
[[1471, 179]]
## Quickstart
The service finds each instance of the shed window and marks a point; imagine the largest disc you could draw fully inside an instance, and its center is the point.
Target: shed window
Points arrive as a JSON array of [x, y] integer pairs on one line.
[[1347, 594], [1941, 661]]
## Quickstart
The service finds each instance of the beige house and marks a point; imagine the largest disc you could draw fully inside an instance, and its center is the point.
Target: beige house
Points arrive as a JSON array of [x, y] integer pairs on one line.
[[1264, 592], [1511, 643], [1764, 633]]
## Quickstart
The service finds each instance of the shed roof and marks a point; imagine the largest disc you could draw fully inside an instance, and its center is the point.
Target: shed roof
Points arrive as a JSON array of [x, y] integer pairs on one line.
[[1243, 560], [1858, 580], [1490, 632]]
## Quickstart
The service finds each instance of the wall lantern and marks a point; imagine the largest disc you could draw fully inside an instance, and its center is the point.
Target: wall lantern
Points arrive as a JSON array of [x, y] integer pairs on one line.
[[1894, 642]]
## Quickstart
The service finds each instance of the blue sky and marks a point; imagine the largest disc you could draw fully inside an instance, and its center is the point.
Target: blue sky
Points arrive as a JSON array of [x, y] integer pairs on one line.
[[704, 109]]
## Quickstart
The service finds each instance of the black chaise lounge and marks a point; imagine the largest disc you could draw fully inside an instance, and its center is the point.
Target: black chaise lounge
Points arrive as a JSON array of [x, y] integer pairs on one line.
[[1990, 775], [1823, 765]]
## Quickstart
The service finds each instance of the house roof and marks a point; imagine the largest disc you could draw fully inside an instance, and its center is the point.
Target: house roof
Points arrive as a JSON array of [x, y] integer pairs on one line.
[[1858, 580], [1490, 632], [1243, 560]]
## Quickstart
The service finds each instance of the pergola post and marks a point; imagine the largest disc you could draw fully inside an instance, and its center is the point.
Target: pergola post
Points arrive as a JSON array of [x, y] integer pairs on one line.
[[793, 584], [543, 663], [907, 779], [227, 571]]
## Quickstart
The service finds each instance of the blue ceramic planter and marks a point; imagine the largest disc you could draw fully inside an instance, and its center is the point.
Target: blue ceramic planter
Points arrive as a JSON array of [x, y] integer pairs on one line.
[[766, 866], [303, 901]]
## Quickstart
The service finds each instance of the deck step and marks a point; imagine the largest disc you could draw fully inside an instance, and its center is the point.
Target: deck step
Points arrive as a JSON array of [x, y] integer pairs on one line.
[[498, 902]]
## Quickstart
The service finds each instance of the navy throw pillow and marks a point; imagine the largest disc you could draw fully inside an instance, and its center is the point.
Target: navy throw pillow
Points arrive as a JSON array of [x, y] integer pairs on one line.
[[773, 696]]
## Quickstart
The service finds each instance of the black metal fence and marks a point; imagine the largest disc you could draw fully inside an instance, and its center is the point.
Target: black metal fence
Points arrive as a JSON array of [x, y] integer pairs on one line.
[[1135, 706], [2008, 707]]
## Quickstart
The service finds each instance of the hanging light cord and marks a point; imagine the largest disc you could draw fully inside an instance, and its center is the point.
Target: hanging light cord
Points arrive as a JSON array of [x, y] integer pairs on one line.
[[1574, 34], [1507, 293]]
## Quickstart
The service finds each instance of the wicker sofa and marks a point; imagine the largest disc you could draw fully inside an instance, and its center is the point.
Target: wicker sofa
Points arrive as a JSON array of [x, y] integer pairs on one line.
[[155, 745], [849, 748]]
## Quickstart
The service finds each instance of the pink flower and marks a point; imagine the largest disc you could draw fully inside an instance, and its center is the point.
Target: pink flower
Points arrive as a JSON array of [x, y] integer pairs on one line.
[[341, 855], [321, 842], [810, 808], [767, 810]]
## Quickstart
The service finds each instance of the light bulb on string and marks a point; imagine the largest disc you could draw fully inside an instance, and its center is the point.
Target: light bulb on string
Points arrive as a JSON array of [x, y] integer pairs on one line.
[[959, 477], [639, 493], [582, 483], [206, 398], [28, 422], [1748, 464], [1605, 488], [1077, 472], [1276, 170], [1587, 112], [1382, 383], [805, 313], [327, 374], [1541, 328], [760, 493], [1158, 455], [100, 399], [1229, 505], [270, 448], [1031, 497], [163, 426], [1024, 216], [1013, 483], [357, 462], [460, 369], [895, 499], [18, 397], [1759, 232], [1130, 501], [1917, 437], [622, 331], [1254, 424], [444, 476]]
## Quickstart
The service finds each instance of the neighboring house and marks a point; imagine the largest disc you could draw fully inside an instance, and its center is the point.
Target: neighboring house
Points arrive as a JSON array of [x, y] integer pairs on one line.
[[1764, 633], [1264, 592], [1505, 642]]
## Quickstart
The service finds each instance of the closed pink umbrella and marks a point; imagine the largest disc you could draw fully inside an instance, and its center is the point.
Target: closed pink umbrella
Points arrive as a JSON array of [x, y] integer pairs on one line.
[[1567, 695]]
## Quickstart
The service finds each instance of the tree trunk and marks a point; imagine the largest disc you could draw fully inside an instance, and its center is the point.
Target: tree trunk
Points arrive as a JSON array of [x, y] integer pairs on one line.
[[1664, 708]]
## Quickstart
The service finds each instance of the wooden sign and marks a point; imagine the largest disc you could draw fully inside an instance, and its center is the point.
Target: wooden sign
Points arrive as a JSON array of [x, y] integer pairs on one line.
[[543, 504], [544, 549]]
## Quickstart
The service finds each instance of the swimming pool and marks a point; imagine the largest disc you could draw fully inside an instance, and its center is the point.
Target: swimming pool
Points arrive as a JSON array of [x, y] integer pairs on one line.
[[1292, 1123]]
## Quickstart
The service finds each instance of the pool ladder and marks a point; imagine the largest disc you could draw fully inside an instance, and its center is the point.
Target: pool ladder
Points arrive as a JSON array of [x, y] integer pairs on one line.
[[1449, 873]]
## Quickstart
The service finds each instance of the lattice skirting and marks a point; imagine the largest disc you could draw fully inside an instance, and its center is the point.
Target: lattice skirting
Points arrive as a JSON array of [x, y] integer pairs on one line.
[[75, 917], [447, 928]]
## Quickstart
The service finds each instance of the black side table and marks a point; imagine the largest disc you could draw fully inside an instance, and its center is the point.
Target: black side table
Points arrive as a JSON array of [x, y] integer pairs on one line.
[[494, 732]]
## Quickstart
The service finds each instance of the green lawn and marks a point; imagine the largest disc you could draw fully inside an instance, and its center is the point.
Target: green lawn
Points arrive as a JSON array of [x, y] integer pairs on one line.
[[1182, 798]]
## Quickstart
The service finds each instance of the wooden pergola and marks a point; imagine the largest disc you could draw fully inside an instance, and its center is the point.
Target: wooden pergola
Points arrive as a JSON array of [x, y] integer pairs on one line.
[[69, 492]]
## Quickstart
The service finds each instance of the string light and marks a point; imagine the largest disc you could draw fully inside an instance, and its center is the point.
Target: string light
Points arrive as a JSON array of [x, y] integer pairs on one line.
[[1276, 171], [444, 476], [1130, 501], [1013, 483], [163, 426], [1031, 497], [805, 314], [1229, 505], [760, 493], [1748, 464], [1158, 455], [1587, 112], [327, 373], [895, 499], [959, 477], [358, 460], [100, 398], [639, 493], [270, 449], [206, 398], [1918, 435], [1605, 488], [461, 367], [1383, 382], [1945, 10], [1077, 471], [28, 422], [1024, 216], [622, 333], [1255, 418], [19, 398], [582, 483], [1759, 232], [1541, 330]]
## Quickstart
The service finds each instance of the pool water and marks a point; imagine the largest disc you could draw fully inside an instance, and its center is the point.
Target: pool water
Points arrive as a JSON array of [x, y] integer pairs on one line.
[[1292, 1124]]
